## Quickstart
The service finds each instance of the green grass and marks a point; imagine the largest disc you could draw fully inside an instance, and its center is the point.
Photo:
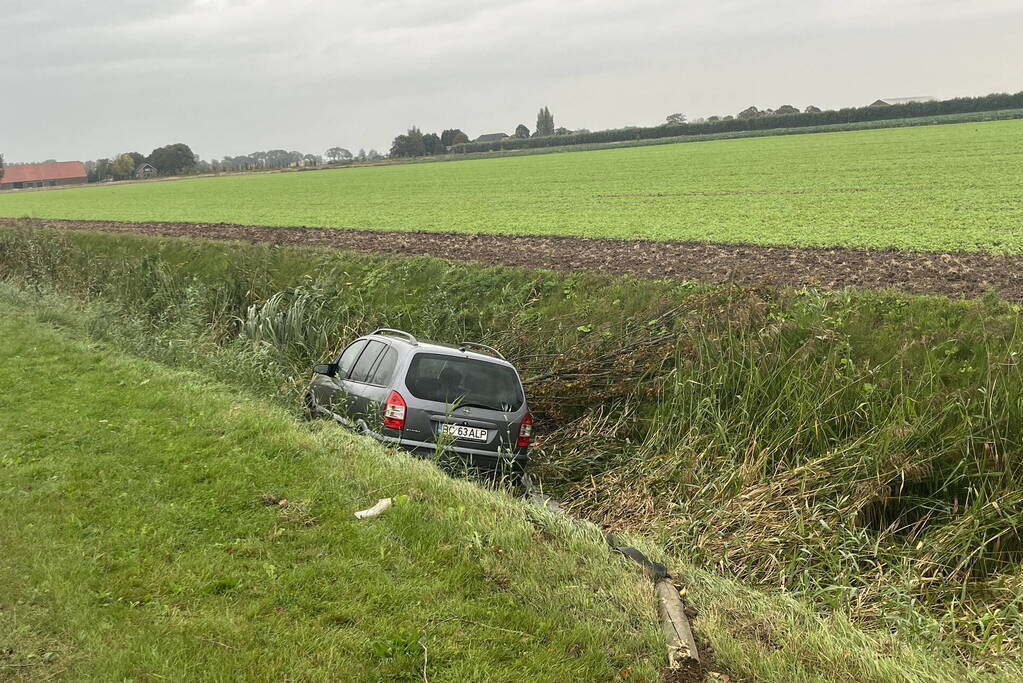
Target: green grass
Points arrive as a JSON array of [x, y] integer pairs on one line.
[[938, 187], [136, 545]]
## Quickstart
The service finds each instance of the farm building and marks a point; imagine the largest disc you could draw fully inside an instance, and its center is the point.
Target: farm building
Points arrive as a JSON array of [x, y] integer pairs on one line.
[[145, 171], [49, 174], [889, 101], [491, 137]]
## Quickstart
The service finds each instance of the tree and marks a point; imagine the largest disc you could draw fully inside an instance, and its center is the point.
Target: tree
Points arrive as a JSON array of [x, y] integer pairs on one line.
[[447, 138], [409, 145], [675, 119], [1, 166], [282, 158], [544, 123], [416, 145], [810, 109], [336, 154], [277, 158], [521, 131], [374, 155], [460, 138], [786, 109], [123, 166], [173, 159], [399, 145], [432, 144], [102, 171], [361, 156], [561, 130], [241, 163], [748, 113], [311, 160]]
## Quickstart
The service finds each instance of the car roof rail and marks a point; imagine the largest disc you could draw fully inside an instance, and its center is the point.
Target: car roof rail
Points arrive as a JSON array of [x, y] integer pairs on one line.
[[396, 333], [462, 346]]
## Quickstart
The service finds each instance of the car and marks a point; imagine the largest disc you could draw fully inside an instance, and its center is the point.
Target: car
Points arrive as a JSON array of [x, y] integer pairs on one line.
[[465, 400]]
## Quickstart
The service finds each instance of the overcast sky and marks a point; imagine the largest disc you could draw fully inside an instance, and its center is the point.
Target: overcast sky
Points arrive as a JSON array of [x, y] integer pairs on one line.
[[82, 80]]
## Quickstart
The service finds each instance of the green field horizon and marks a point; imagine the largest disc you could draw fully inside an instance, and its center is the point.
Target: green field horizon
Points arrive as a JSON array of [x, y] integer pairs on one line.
[[949, 187]]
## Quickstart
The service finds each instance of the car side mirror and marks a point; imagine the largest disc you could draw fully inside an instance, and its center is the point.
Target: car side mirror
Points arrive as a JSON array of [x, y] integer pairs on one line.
[[328, 369]]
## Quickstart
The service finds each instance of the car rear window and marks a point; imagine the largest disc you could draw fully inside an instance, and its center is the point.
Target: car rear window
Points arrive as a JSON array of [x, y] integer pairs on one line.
[[464, 381]]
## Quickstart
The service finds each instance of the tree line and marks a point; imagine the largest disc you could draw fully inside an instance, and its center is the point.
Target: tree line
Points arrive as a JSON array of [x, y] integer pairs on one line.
[[751, 119], [178, 159], [415, 143], [174, 159], [279, 158]]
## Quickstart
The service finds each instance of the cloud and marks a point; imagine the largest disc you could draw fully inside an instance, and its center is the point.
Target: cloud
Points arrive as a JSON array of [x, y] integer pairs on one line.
[[235, 75]]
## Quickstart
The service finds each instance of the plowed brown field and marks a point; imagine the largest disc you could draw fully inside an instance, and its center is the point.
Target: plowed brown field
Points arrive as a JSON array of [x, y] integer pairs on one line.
[[960, 274]]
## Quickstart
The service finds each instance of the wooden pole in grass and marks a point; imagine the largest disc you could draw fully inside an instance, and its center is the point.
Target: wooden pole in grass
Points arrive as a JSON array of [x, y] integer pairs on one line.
[[675, 625]]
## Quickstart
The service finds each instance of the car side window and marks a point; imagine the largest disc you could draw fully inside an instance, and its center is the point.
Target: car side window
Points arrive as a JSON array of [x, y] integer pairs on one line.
[[364, 366], [385, 368], [347, 358]]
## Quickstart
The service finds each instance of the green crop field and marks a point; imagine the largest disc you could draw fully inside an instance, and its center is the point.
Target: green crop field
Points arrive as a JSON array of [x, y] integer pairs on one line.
[[950, 187]]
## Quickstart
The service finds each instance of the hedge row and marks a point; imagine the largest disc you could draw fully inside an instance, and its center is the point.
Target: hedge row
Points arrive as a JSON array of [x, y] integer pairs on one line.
[[959, 105]]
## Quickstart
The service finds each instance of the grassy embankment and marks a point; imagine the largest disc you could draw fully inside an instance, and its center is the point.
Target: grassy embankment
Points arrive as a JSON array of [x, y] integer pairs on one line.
[[143, 539], [937, 187], [857, 449]]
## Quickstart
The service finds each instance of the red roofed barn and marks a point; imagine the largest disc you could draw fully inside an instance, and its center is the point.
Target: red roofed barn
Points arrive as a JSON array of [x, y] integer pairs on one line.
[[43, 175]]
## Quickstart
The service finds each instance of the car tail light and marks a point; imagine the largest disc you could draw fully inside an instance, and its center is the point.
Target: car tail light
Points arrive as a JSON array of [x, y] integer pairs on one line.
[[394, 411], [525, 431]]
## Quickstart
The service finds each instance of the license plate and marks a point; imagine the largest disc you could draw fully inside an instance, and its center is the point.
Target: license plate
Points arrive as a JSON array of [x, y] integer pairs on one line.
[[463, 432]]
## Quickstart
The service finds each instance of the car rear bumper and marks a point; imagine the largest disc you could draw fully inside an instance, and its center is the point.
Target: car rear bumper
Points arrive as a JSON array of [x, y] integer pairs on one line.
[[481, 459]]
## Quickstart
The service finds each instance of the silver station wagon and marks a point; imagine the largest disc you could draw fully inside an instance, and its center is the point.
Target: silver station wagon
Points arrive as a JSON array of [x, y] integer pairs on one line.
[[466, 399]]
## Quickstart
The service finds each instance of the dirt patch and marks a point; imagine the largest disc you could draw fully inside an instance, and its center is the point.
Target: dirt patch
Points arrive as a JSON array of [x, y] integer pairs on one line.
[[958, 274], [706, 670]]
